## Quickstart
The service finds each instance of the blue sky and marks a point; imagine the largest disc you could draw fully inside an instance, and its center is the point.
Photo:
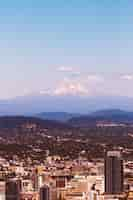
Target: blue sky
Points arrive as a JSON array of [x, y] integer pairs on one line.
[[64, 47]]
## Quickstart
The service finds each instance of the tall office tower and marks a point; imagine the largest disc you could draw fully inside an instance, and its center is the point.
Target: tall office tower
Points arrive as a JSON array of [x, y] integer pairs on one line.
[[12, 190], [45, 193], [35, 180], [113, 172]]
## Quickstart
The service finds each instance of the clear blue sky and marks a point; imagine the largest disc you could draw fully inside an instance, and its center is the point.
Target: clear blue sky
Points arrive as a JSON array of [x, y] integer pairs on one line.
[[40, 37]]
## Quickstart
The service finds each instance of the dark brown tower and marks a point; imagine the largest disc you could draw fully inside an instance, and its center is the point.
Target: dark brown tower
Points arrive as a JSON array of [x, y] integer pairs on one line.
[[113, 172]]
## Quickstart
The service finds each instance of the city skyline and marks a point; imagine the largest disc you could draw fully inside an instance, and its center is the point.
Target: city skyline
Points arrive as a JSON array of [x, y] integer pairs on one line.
[[66, 47], [66, 100]]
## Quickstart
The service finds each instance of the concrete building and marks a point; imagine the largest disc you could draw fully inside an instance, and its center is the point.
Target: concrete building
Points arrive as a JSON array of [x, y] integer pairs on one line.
[[113, 172], [45, 193], [12, 190]]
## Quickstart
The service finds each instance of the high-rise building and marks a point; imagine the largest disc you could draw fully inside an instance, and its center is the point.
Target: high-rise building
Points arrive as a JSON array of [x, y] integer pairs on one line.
[[113, 172], [12, 190], [45, 193], [35, 180]]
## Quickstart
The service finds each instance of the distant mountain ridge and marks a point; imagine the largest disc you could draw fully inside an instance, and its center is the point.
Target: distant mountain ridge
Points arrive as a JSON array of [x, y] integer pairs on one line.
[[108, 115], [59, 116], [112, 115], [18, 121]]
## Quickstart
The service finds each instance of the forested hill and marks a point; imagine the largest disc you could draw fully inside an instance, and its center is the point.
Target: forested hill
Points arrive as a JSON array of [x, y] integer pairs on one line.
[[114, 115], [19, 121]]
